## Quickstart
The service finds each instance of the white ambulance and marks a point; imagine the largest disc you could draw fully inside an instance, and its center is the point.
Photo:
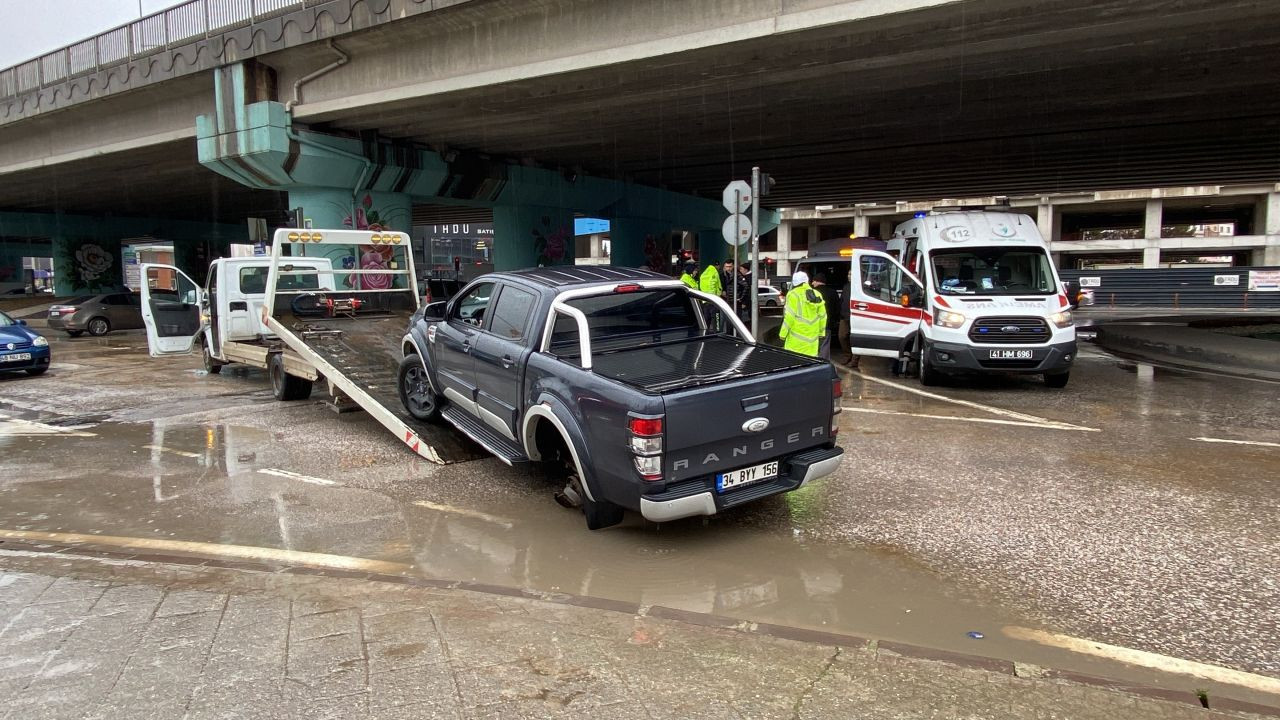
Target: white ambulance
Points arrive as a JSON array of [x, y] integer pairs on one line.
[[969, 291]]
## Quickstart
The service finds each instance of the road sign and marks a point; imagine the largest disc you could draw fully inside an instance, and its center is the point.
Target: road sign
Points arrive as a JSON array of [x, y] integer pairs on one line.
[[736, 196], [736, 229]]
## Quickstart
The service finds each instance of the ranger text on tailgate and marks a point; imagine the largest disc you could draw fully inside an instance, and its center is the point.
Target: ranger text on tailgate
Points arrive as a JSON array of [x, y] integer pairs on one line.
[[618, 377]]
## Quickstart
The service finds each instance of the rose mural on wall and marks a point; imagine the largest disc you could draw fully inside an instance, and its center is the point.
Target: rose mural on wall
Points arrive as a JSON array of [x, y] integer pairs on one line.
[[551, 243], [90, 266], [371, 257]]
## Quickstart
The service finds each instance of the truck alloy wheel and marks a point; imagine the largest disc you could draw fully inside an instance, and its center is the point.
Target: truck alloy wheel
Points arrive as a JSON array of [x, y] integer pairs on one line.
[[415, 390]]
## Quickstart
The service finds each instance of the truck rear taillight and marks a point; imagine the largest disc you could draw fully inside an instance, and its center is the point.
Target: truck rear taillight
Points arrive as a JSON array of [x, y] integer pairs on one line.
[[837, 392], [646, 445], [628, 288]]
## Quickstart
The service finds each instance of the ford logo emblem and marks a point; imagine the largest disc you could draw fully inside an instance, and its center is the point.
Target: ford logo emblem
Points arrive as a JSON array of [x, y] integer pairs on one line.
[[1010, 329], [755, 425]]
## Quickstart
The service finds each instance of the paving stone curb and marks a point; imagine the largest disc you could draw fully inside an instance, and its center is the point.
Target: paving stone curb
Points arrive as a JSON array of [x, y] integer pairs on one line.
[[699, 619]]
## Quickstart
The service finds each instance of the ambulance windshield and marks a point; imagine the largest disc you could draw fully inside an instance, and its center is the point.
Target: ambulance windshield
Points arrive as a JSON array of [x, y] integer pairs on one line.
[[993, 271]]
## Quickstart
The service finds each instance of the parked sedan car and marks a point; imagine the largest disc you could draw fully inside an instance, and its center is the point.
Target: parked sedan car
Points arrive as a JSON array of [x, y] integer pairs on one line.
[[97, 314], [770, 296], [22, 348]]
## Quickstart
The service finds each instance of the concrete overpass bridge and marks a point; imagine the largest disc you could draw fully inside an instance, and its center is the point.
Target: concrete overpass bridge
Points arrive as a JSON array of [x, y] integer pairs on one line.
[[183, 124]]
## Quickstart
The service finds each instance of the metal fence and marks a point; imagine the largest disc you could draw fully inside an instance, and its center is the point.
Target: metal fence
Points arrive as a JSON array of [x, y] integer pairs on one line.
[[1225, 288], [178, 25]]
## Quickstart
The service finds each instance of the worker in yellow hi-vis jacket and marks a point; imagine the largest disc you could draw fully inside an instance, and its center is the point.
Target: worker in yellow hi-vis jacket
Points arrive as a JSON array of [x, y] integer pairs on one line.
[[804, 323]]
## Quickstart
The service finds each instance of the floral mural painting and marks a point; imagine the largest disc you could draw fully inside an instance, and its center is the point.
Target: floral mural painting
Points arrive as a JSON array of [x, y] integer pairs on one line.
[[367, 217], [551, 243], [90, 266]]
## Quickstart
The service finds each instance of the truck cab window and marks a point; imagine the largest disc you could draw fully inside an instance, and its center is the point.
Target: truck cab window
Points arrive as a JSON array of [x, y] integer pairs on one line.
[[472, 306], [511, 313]]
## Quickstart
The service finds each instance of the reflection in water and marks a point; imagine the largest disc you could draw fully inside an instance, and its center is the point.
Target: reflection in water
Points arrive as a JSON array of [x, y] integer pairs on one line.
[[202, 483]]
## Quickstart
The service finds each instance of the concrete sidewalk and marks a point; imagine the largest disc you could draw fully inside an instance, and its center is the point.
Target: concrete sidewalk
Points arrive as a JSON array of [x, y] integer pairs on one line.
[[91, 636]]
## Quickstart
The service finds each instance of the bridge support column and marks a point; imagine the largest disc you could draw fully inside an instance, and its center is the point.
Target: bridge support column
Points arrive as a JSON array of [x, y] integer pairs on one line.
[[642, 242], [367, 210], [532, 236]]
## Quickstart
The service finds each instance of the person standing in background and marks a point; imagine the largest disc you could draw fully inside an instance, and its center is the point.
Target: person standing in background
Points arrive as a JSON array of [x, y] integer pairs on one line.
[[804, 323], [690, 269], [831, 299]]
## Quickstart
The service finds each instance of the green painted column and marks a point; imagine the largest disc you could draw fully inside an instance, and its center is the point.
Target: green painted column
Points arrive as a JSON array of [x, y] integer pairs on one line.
[[527, 236], [86, 266], [641, 242], [368, 210], [713, 248], [329, 209]]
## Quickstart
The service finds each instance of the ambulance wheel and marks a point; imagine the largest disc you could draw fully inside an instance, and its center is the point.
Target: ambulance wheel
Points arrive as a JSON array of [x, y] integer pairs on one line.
[[1057, 380], [285, 386], [415, 390], [928, 375]]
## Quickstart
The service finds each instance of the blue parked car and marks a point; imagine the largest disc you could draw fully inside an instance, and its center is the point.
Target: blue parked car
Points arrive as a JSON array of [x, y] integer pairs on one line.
[[22, 348]]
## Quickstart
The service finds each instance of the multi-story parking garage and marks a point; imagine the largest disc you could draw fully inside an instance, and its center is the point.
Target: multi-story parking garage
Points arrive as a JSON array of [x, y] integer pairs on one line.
[[1207, 225], [1137, 132]]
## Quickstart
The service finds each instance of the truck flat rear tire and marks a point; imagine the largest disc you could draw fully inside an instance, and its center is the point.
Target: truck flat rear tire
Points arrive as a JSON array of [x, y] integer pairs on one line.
[[285, 386], [601, 513]]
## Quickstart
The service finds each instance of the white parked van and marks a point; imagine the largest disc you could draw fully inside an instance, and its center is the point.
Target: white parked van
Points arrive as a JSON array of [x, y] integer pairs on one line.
[[965, 291]]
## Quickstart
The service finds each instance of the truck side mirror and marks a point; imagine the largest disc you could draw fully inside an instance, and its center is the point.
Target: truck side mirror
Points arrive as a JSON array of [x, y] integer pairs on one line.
[[434, 312]]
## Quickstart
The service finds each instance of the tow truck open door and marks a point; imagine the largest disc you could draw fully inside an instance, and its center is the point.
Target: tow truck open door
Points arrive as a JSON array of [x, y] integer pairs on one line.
[[886, 304], [172, 310]]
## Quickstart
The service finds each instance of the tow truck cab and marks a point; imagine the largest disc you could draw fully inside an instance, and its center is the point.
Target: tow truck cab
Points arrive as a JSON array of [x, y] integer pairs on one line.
[[970, 291]]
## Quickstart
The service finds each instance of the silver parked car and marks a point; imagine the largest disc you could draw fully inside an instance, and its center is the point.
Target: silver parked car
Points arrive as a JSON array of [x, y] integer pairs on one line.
[[97, 314]]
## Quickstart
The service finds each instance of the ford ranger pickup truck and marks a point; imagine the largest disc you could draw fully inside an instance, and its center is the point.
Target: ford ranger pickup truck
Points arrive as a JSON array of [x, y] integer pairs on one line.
[[649, 396]]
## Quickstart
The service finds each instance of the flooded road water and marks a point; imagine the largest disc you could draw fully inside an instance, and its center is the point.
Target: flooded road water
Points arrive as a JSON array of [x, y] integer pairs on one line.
[[1093, 511]]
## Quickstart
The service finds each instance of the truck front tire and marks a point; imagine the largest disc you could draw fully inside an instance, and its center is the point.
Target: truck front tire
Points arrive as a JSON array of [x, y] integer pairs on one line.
[[285, 386], [416, 395]]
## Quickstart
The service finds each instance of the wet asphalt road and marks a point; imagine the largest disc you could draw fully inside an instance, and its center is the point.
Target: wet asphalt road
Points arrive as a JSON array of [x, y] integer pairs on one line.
[[1091, 511]]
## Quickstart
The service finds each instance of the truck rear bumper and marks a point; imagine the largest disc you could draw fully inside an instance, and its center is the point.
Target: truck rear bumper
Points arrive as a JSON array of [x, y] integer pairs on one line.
[[800, 469]]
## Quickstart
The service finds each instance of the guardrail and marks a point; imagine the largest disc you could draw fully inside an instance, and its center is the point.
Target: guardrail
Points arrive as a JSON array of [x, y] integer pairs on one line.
[[161, 31]]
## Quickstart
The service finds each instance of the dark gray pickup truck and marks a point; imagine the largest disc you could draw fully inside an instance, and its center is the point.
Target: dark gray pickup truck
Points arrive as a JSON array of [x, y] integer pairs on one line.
[[615, 376]]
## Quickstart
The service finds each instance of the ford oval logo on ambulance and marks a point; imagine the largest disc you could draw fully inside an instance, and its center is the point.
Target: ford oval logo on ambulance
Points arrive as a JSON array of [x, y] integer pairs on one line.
[[755, 425]]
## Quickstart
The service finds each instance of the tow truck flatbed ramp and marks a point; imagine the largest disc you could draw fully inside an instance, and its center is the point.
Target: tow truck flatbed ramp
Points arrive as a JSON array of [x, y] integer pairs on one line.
[[359, 352]]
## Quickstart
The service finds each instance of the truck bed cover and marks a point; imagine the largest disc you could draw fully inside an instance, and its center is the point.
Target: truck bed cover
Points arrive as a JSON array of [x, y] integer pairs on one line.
[[694, 362]]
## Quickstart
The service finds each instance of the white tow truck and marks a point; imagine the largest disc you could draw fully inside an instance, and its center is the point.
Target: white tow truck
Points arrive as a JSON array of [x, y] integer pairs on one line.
[[334, 309]]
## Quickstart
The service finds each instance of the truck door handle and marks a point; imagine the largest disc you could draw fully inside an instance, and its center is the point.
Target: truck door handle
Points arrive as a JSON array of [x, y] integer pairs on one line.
[[507, 361]]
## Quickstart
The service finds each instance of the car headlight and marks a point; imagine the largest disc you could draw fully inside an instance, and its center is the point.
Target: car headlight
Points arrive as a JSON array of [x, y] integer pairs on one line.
[[948, 318], [1062, 319], [40, 341]]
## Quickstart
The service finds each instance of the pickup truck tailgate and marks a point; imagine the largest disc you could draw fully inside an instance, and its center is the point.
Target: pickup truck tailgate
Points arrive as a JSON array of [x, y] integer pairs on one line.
[[706, 427]]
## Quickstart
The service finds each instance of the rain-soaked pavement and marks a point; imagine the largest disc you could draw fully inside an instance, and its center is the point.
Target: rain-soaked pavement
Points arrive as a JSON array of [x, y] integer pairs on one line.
[[1102, 511]]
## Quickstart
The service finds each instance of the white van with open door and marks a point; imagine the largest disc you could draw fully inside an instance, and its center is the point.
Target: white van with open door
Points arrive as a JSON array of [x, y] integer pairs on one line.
[[968, 291]]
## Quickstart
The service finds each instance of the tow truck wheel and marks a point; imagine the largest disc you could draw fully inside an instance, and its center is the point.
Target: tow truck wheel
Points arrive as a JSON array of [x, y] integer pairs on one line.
[[1057, 380], [211, 366], [415, 390], [928, 376], [284, 385]]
